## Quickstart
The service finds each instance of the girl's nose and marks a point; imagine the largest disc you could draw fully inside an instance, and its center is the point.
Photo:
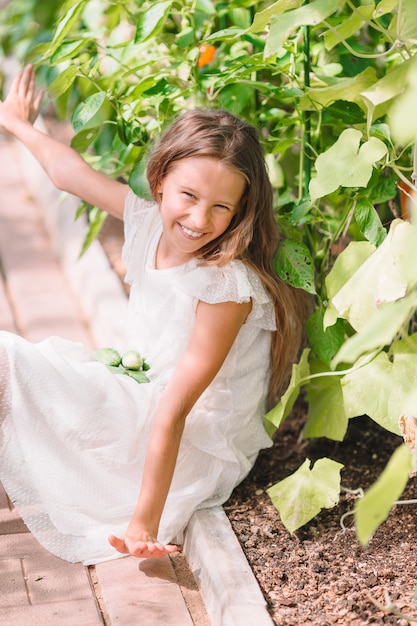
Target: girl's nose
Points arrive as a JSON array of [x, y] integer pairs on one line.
[[201, 215]]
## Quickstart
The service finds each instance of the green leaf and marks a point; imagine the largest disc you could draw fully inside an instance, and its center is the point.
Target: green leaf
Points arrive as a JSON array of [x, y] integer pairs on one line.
[[380, 330], [402, 118], [393, 384], [62, 82], [325, 343], [369, 222], [263, 18], [407, 21], [293, 263], [346, 264], [346, 163], [373, 509], [84, 138], [66, 23], [301, 496], [378, 96], [138, 181], [276, 416], [152, 20], [346, 88], [85, 111], [384, 277], [326, 416], [96, 219], [282, 26], [68, 50], [205, 6], [348, 26]]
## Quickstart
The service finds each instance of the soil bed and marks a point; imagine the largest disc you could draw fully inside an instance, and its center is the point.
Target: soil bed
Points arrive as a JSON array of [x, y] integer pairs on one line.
[[321, 575]]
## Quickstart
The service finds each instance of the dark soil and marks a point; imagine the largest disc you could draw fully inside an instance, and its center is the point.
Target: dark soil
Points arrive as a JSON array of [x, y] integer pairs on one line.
[[321, 575]]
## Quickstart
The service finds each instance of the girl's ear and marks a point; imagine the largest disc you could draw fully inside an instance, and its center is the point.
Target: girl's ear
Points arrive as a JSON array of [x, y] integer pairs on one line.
[[158, 187]]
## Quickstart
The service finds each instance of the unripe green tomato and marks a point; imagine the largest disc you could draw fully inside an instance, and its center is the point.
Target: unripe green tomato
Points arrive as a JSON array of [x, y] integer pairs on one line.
[[108, 356], [132, 360]]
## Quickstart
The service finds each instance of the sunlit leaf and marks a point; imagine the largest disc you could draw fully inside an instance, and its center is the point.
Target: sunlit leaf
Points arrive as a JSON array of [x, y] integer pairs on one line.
[[86, 110], [301, 496], [68, 50], [393, 383], [346, 163], [282, 26], [345, 88], [275, 416], [326, 415], [263, 18], [378, 96], [379, 331], [349, 26], [152, 20], [373, 509], [62, 82], [402, 113], [407, 21], [381, 278]]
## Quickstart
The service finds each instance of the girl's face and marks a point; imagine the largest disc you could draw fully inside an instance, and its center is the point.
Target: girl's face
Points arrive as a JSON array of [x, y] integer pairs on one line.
[[199, 197]]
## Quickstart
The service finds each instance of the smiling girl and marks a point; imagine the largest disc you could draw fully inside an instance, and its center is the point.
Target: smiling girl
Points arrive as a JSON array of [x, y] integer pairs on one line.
[[98, 465]]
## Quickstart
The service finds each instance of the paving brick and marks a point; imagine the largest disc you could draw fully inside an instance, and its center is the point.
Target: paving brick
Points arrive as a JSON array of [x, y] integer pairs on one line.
[[76, 613], [142, 592]]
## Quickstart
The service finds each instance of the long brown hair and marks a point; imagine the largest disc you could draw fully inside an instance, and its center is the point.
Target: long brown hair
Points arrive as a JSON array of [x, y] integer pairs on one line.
[[253, 234]]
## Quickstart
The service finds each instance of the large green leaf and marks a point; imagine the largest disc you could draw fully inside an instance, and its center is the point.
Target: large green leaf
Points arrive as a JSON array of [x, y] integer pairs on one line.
[[348, 26], [301, 496], [384, 277], [373, 509], [152, 20], [346, 88], [282, 26], [402, 113], [380, 330], [407, 21], [384, 389], [326, 413], [300, 373], [379, 96], [346, 163], [263, 18], [345, 266]]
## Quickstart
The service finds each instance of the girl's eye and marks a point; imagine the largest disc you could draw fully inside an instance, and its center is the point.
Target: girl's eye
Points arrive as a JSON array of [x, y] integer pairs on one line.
[[188, 194], [222, 206]]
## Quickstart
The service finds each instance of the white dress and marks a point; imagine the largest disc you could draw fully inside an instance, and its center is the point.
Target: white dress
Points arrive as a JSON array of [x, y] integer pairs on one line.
[[73, 435]]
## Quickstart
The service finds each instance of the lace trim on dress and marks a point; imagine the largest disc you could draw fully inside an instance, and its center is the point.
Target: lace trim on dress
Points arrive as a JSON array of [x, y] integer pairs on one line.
[[234, 282]]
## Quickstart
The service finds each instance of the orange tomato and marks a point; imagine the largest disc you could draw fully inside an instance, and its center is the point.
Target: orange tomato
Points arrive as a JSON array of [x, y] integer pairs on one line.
[[206, 55]]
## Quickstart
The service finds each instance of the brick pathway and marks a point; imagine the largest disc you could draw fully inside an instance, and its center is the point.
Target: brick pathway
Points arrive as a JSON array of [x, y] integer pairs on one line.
[[36, 588]]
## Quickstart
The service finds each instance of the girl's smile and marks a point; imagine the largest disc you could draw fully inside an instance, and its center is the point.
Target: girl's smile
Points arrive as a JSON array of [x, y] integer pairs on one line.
[[199, 197]]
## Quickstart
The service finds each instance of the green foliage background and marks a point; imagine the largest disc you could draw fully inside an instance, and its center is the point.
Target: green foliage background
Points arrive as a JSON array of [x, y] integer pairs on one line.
[[331, 86]]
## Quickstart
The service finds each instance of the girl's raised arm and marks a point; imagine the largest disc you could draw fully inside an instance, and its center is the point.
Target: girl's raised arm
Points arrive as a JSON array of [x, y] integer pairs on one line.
[[215, 330], [65, 167]]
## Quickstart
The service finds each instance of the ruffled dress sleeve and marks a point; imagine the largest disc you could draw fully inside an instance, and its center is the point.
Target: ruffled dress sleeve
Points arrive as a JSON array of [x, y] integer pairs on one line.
[[234, 282]]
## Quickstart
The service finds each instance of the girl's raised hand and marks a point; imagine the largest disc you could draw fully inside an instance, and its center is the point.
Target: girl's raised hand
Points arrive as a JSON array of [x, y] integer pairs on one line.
[[22, 101], [142, 549]]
